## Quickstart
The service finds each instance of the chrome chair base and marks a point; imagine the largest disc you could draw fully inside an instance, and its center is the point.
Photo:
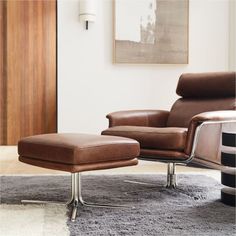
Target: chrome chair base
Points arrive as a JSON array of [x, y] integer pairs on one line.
[[76, 198], [139, 182], [171, 176]]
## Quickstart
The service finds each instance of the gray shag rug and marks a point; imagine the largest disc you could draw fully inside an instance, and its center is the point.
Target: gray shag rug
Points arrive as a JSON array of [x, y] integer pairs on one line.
[[194, 208]]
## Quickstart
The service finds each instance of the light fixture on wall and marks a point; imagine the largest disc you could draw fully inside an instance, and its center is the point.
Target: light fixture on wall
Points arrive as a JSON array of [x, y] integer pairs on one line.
[[87, 11]]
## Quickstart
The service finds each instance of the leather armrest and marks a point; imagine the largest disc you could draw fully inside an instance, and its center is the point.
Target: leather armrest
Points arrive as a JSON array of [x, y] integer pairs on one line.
[[229, 115], [150, 118]]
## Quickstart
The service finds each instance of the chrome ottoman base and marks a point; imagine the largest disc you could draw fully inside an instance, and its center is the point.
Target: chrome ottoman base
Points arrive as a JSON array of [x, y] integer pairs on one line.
[[76, 198]]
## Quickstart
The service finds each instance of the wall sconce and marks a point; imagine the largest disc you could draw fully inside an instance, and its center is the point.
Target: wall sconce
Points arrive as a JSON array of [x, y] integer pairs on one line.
[[87, 11]]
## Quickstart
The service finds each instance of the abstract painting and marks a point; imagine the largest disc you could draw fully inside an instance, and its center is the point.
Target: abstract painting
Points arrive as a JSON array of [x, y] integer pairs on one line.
[[151, 31]]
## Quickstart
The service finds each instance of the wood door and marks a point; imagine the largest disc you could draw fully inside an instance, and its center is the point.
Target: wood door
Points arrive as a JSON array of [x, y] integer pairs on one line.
[[28, 74], [2, 96]]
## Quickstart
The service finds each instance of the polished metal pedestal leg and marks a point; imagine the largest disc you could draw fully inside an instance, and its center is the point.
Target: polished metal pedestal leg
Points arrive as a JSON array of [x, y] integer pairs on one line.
[[78, 194], [171, 176], [76, 198], [70, 201]]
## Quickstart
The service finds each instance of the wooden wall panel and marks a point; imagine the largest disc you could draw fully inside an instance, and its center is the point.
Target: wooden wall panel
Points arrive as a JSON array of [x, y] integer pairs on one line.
[[2, 72], [31, 69]]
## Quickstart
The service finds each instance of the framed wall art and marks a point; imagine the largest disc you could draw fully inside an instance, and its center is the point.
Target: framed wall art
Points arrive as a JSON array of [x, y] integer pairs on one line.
[[151, 31]]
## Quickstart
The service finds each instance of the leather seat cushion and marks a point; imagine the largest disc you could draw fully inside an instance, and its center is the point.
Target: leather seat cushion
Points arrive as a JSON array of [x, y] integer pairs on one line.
[[167, 138], [77, 149]]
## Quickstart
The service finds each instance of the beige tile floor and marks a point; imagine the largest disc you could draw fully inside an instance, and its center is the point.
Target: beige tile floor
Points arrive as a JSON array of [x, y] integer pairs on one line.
[[9, 165]]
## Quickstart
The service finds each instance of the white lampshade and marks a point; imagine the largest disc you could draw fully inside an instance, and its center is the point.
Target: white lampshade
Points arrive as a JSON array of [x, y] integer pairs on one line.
[[87, 11]]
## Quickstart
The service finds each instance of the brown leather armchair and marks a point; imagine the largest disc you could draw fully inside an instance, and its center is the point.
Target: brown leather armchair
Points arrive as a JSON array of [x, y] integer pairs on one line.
[[190, 131]]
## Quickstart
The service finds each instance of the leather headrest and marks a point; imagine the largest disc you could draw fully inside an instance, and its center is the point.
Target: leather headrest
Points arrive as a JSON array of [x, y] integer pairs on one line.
[[203, 85]]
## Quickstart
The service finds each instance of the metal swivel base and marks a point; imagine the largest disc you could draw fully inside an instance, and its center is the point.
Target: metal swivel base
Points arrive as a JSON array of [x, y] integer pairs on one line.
[[76, 198], [171, 181], [171, 176]]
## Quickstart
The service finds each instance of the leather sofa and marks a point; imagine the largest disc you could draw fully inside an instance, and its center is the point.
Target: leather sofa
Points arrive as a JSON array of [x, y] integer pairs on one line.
[[190, 131]]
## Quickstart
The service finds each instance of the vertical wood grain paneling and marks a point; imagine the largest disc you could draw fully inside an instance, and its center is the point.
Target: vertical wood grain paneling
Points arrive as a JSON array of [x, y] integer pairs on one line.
[[50, 110], [3, 72], [31, 69]]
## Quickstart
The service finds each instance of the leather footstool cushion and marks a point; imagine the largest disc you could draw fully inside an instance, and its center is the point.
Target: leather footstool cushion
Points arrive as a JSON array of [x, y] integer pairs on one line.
[[78, 152]]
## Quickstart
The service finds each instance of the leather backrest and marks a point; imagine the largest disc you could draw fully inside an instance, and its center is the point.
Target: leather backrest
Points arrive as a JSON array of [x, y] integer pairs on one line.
[[207, 85], [184, 109], [202, 92]]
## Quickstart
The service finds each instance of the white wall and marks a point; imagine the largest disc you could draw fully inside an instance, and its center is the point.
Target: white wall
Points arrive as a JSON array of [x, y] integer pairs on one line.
[[90, 86], [232, 35]]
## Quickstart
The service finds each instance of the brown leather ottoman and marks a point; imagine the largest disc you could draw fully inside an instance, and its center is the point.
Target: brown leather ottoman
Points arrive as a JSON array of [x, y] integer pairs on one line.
[[76, 153]]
